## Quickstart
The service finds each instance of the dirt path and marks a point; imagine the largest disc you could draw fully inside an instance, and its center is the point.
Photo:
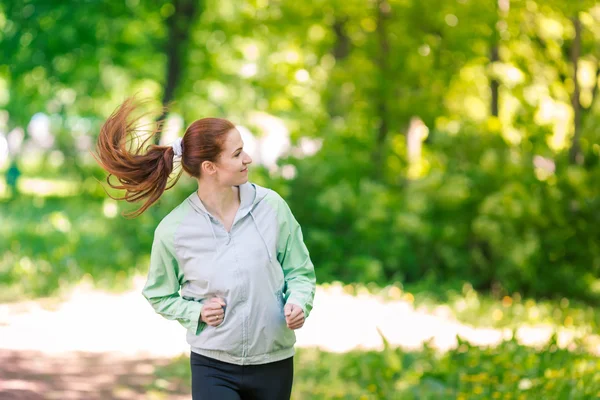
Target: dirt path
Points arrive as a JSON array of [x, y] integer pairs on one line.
[[32, 375], [97, 345]]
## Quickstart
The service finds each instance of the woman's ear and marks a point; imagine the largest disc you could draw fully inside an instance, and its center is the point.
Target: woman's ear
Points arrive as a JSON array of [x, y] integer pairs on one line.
[[208, 167]]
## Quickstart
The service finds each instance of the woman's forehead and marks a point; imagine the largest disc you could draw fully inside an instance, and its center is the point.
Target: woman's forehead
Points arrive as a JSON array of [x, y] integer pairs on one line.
[[234, 139]]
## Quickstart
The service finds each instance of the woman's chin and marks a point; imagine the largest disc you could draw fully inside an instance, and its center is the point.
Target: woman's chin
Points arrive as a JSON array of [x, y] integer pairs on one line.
[[242, 180]]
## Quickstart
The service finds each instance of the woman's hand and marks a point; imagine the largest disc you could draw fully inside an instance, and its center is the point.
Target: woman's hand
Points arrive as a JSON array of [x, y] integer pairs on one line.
[[213, 312], [294, 316]]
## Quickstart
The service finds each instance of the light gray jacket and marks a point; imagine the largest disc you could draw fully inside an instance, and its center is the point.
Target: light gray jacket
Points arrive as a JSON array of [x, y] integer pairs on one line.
[[257, 267]]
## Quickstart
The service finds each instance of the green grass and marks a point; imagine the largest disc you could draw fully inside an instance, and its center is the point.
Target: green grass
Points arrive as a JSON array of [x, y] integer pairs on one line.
[[508, 371]]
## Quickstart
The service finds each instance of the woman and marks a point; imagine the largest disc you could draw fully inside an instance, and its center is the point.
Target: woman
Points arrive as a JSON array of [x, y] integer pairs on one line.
[[232, 248]]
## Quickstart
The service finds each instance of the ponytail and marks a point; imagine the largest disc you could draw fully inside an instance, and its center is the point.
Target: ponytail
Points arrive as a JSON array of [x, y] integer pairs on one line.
[[142, 171]]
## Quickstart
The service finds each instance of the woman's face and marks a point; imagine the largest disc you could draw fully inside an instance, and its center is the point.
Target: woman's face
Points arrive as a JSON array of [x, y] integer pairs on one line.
[[232, 163]]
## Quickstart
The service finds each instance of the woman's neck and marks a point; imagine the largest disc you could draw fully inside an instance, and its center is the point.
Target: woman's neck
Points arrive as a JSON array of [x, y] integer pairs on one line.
[[218, 200]]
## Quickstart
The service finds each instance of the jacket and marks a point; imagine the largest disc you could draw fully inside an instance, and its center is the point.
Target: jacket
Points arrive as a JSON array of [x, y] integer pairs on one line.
[[258, 267]]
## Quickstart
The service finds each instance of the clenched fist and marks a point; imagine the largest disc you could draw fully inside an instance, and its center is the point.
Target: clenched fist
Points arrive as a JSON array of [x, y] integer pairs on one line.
[[294, 316], [213, 311]]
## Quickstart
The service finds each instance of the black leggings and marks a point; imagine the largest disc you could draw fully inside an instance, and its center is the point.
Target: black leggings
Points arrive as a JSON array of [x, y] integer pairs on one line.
[[217, 380]]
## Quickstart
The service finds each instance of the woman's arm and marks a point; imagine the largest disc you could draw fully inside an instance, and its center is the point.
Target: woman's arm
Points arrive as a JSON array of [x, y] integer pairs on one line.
[[294, 258], [162, 288]]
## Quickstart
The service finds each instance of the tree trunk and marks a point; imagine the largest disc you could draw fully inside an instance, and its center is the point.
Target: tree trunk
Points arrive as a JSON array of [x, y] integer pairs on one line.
[[494, 84], [178, 25], [503, 8], [383, 13], [342, 41], [340, 51], [575, 156]]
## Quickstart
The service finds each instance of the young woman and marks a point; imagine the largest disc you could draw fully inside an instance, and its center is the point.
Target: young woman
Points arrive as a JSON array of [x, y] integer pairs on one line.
[[229, 263]]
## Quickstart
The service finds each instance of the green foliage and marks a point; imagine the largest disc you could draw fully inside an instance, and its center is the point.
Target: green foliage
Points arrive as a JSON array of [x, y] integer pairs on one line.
[[482, 213], [476, 196], [70, 58], [509, 371], [52, 242]]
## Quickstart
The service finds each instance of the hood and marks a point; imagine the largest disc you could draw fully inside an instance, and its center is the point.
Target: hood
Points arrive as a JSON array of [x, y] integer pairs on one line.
[[250, 195]]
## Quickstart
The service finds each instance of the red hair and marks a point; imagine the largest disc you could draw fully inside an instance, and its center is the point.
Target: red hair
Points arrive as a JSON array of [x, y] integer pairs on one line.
[[144, 171]]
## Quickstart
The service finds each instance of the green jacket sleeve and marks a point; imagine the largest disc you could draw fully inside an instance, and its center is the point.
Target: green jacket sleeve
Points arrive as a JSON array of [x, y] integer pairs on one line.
[[162, 288], [295, 260]]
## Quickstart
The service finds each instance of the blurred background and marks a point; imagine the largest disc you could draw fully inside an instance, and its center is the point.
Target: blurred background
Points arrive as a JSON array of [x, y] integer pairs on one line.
[[441, 156]]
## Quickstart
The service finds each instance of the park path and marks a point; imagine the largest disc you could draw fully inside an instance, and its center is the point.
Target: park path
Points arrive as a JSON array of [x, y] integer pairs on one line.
[[94, 344]]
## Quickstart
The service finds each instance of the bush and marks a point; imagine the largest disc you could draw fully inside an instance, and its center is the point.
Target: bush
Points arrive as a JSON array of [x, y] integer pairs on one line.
[[509, 371], [481, 211]]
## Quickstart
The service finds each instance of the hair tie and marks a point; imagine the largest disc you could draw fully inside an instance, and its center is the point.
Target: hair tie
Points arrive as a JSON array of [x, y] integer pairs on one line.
[[178, 147]]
